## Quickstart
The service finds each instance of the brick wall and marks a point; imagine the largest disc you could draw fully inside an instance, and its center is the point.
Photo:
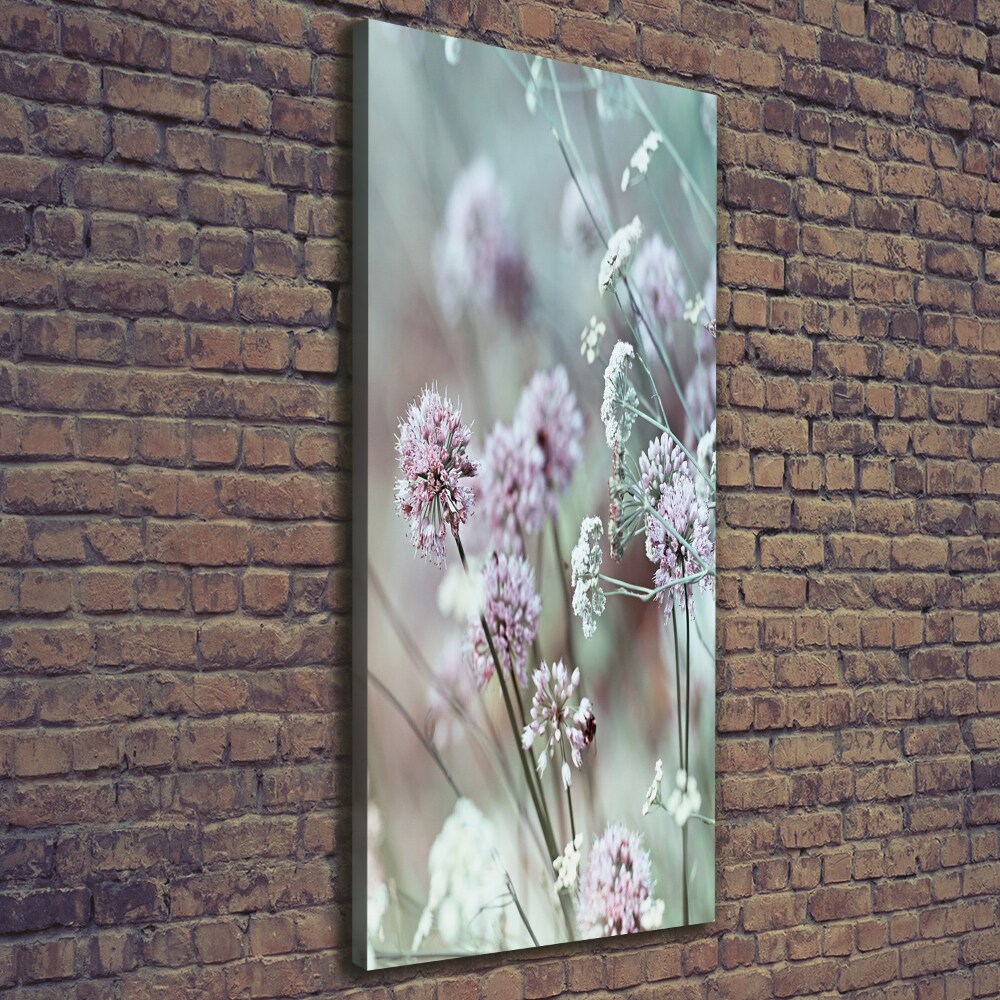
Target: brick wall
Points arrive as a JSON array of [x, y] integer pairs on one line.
[[174, 206]]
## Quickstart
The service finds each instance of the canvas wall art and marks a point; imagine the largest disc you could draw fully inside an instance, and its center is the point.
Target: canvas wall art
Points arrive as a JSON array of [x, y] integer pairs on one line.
[[534, 531]]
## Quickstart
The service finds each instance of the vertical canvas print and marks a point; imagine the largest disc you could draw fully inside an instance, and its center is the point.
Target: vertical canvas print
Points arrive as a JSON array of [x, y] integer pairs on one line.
[[534, 342]]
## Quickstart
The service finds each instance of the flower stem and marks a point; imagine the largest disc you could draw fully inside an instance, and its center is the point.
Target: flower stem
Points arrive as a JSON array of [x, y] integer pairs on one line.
[[680, 758], [572, 821], [543, 822], [687, 735], [566, 593]]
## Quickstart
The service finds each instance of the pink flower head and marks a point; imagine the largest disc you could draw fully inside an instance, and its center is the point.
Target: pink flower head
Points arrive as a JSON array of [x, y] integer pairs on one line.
[[679, 507], [657, 465], [432, 445], [555, 720], [659, 283], [579, 232], [547, 413], [700, 396], [616, 887], [513, 486], [511, 609], [477, 263]]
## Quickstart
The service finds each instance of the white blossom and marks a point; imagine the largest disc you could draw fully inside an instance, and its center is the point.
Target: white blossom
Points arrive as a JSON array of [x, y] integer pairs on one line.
[[461, 594], [651, 913], [452, 50], [567, 865], [693, 308], [585, 565], [468, 886], [653, 793], [621, 246], [620, 399], [685, 799], [638, 165], [590, 338]]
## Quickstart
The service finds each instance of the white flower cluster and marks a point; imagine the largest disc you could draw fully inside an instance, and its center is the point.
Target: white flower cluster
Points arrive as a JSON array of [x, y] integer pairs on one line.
[[590, 338], [621, 246], [693, 308], [651, 913], [585, 565], [620, 399], [467, 884], [639, 164], [685, 799], [567, 865], [460, 594]]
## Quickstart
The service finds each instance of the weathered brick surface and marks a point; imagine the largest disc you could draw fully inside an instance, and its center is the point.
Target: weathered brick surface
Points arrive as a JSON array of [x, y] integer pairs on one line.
[[174, 221]]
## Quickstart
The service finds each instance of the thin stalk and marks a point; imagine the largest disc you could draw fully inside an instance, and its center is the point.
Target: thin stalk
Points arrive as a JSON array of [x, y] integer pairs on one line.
[[673, 238], [572, 821], [680, 758], [561, 564], [520, 909], [424, 742], [522, 756], [687, 737], [669, 147]]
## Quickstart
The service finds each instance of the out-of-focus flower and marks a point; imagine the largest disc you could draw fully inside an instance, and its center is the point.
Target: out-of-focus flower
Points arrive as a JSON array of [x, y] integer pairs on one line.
[[616, 260], [477, 263], [513, 488], [651, 913], [453, 691], [533, 90], [567, 865], [547, 413], [616, 886], [378, 891], [685, 799], [432, 448], [680, 508], [460, 593], [585, 566], [468, 894], [658, 282], [638, 165], [590, 339], [709, 116], [653, 792], [612, 95], [555, 721], [620, 398], [576, 223], [511, 610], [700, 397], [706, 460], [452, 50]]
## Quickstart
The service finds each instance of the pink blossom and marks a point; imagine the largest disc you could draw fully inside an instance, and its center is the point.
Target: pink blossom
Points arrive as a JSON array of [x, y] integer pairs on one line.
[[477, 263], [556, 721], [547, 413], [679, 507], [511, 609], [700, 397], [513, 487], [659, 284], [616, 887], [432, 448]]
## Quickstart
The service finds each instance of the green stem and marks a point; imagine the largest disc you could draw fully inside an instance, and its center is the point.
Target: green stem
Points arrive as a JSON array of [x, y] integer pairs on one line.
[[522, 755], [561, 563], [687, 738], [680, 758]]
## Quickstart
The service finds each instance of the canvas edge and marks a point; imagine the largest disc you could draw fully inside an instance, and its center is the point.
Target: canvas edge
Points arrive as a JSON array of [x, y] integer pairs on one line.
[[359, 500]]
